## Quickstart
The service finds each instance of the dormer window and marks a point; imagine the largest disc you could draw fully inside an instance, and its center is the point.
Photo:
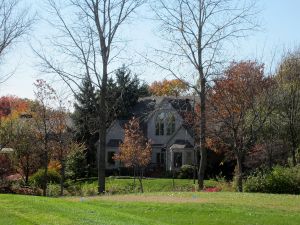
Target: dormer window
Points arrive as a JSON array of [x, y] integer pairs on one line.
[[170, 123], [160, 124]]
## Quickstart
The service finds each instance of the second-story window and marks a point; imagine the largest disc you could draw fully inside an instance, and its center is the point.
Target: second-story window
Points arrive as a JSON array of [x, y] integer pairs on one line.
[[170, 123], [160, 124]]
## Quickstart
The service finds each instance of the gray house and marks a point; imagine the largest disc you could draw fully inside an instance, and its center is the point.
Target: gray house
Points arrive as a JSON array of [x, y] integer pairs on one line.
[[162, 121]]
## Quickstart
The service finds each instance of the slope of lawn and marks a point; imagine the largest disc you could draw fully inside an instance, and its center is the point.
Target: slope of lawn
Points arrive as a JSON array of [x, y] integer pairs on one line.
[[153, 208]]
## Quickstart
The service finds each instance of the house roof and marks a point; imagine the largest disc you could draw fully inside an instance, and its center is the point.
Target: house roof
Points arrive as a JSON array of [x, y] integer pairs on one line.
[[122, 123], [179, 143], [147, 106]]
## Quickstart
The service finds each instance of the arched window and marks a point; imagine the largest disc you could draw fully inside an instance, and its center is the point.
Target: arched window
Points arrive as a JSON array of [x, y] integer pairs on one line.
[[160, 124], [170, 123]]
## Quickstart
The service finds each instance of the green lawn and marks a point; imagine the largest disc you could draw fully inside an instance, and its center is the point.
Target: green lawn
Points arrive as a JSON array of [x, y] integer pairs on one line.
[[159, 185], [122, 186], [153, 208]]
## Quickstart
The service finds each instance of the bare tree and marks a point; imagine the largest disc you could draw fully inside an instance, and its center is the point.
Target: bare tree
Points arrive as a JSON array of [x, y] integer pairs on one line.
[[14, 24], [87, 43], [195, 32], [45, 95]]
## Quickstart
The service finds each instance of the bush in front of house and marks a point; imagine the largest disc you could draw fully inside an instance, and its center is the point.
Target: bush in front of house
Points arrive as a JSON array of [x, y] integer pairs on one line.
[[186, 172], [76, 166], [37, 179], [280, 180]]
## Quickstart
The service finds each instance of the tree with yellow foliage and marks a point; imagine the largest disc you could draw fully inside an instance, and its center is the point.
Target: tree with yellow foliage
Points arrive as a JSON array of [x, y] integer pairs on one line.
[[173, 87]]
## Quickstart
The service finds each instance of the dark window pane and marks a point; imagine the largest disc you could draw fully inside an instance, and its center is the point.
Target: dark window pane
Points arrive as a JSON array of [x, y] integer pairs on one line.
[[177, 159], [162, 128], [162, 158], [158, 158], [157, 128], [110, 159], [170, 124]]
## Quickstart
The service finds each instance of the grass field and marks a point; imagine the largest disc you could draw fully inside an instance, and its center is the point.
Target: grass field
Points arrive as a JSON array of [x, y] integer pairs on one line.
[[123, 186], [153, 208]]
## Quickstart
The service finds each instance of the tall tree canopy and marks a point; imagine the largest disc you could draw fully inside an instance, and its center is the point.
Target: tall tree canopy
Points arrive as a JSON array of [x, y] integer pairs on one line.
[[85, 121], [288, 104], [124, 91], [88, 36], [240, 107], [194, 34]]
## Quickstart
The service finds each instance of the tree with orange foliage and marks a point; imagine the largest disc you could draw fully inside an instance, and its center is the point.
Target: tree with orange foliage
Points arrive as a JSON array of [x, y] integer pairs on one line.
[[17, 132], [241, 105], [168, 88], [11, 108], [136, 151]]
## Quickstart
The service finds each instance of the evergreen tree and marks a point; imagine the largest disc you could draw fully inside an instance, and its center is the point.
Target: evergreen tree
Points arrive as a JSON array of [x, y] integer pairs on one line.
[[85, 121], [127, 90], [124, 91]]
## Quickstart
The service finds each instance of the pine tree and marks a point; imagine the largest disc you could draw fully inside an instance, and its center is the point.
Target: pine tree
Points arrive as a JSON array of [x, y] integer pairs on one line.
[[85, 121], [124, 91], [128, 89]]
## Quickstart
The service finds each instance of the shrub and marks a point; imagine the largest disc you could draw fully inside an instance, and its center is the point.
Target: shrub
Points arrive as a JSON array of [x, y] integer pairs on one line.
[[53, 190], [76, 166], [37, 179], [89, 189], [280, 180], [186, 171]]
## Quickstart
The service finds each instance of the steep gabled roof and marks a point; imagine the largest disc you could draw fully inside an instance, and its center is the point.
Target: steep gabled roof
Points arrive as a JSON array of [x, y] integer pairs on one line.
[[147, 106]]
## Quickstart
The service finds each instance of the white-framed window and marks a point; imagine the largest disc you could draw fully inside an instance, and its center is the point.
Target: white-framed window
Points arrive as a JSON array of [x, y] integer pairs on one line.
[[165, 123], [170, 123], [160, 124]]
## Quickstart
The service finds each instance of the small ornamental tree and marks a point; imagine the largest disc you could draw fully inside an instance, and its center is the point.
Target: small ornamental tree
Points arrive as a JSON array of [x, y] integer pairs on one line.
[[135, 152]]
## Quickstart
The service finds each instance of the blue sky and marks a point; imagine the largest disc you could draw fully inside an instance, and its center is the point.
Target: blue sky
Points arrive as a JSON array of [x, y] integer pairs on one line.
[[280, 30]]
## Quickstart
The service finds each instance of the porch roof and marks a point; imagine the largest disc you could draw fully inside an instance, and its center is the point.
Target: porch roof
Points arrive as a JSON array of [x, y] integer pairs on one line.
[[181, 144]]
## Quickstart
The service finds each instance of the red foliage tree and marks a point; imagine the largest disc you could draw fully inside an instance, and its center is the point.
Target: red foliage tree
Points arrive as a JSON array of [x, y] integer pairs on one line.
[[12, 105], [135, 151], [240, 106]]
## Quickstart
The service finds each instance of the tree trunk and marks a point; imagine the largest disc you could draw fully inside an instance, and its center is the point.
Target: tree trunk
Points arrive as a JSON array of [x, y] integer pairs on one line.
[[102, 131], [140, 180], [45, 181], [134, 177], [239, 174], [62, 177], [294, 149], [101, 161], [203, 151], [270, 157], [27, 170], [46, 169]]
